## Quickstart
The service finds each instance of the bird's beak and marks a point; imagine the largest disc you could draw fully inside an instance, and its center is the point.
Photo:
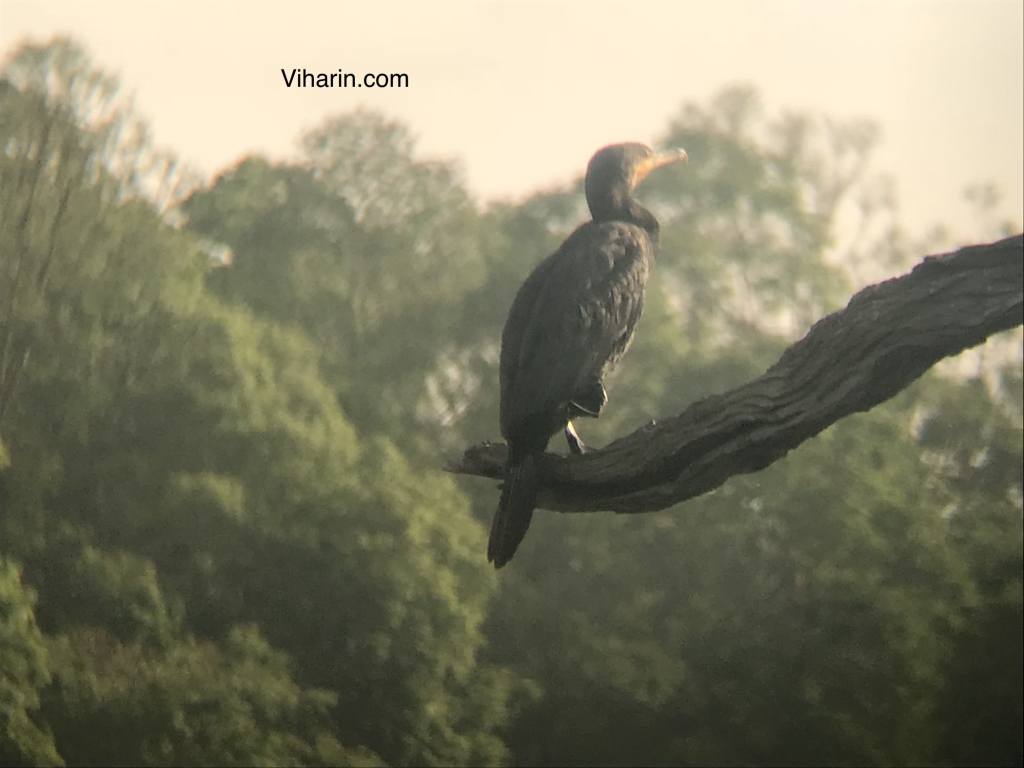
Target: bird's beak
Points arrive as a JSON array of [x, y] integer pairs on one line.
[[656, 160]]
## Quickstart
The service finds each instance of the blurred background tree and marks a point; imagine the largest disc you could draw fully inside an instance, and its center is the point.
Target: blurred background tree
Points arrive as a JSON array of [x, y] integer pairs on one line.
[[225, 537]]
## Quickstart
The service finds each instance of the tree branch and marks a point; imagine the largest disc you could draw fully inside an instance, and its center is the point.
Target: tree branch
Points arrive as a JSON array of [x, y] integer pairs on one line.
[[852, 360]]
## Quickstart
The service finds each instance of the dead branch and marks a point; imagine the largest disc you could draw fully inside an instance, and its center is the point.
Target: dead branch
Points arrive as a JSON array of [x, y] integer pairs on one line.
[[852, 360]]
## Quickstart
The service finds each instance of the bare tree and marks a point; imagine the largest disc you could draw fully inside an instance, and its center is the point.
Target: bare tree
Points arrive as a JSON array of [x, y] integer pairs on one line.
[[852, 360]]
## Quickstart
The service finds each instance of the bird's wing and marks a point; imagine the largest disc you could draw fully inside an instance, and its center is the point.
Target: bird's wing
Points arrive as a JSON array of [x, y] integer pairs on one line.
[[572, 318]]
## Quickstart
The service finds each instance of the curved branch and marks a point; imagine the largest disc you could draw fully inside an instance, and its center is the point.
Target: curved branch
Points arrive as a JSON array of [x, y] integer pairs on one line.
[[852, 360]]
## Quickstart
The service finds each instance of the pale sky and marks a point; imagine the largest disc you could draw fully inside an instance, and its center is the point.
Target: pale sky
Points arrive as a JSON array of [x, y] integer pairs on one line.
[[522, 93]]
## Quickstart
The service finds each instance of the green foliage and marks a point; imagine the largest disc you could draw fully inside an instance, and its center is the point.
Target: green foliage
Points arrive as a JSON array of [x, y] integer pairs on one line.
[[24, 671], [746, 221], [803, 615], [220, 476], [195, 704], [787, 618], [972, 436], [94, 588], [365, 251], [178, 468]]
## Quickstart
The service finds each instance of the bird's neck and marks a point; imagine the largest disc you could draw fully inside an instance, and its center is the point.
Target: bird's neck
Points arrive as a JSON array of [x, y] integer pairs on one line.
[[628, 210]]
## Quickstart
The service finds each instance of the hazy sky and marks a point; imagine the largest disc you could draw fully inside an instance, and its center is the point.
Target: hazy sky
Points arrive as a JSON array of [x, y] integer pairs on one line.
[[522, 93]]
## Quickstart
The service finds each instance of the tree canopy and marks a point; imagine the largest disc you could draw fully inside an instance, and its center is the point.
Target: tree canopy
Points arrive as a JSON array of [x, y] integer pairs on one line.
[[226, 532]]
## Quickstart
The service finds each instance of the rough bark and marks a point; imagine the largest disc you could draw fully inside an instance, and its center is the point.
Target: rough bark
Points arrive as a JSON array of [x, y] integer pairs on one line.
[[852, 360]]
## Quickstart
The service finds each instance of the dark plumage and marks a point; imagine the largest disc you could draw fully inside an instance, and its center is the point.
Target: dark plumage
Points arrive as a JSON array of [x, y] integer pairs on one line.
[[569, 324]]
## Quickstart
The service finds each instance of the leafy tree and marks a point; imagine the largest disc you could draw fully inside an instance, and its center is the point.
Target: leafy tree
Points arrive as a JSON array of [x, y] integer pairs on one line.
[[24, 671], [181, 467], [971, 433], [194, 704], [221, 480], [804, 614], [363, 249]]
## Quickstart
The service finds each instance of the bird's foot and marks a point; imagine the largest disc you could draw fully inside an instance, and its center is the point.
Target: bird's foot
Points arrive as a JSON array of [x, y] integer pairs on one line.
[[575, 443], [589, 400]]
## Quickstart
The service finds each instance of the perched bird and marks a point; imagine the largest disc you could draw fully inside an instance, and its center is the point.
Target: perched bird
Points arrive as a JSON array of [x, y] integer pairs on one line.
[[569, 324]]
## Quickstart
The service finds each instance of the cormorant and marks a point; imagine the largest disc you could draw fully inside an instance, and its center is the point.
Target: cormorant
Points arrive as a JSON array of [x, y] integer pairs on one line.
[[569, 324]]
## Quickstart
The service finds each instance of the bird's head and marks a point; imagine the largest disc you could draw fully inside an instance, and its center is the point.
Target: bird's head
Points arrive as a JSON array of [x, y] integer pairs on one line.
[[615, 170]]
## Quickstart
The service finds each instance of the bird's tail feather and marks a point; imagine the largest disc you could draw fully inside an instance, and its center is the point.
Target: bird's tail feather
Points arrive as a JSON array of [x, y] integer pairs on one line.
[[515, 510]]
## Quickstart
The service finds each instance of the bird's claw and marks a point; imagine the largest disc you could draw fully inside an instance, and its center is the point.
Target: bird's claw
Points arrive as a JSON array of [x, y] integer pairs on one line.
[[576, 446]]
